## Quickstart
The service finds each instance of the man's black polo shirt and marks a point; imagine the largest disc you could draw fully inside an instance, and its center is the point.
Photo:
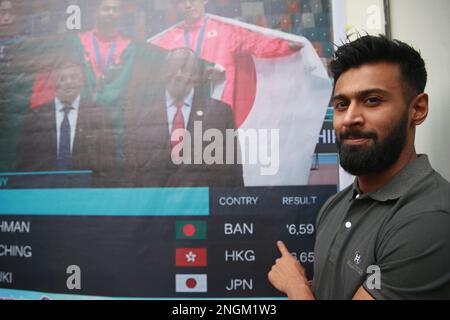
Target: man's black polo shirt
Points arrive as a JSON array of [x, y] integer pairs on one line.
[[403, 228]]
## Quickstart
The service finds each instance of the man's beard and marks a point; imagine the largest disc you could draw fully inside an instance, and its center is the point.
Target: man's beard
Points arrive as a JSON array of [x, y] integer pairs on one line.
[[362, 160]]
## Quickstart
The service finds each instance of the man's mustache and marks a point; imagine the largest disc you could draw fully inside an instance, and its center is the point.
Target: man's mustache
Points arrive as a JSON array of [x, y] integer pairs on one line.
[[356, 134]]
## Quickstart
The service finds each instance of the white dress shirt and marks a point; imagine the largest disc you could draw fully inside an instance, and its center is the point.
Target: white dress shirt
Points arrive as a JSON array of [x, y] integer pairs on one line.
[[172, 108], [73, 117]]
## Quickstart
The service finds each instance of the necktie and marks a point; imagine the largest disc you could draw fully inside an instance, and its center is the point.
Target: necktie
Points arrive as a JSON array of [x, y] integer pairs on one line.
[[178, 123], [65, 153]]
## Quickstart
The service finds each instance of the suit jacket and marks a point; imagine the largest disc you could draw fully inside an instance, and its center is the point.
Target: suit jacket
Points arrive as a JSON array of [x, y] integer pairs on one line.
[[149, 149], [92, 147]]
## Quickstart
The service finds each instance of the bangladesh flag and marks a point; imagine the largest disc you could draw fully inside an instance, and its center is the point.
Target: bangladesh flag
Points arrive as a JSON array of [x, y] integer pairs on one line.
[[191, 230]]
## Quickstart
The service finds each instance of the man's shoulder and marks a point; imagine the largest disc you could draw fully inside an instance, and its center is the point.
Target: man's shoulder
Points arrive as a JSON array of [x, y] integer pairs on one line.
[[442, 189], [88, 104], [217, 21], [203, 97], [222, 23], [220, 113], [42, 110], [432, 194], [92, 110], [423, 211], [428, 201], [39, 120], [169, 38], [219, 106]]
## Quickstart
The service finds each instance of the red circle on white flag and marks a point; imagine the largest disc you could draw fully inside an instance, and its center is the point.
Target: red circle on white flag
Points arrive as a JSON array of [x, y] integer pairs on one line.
[[191, 283]]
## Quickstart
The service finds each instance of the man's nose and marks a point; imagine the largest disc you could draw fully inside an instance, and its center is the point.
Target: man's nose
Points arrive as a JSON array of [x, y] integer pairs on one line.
[[354, 115], [180, 73]]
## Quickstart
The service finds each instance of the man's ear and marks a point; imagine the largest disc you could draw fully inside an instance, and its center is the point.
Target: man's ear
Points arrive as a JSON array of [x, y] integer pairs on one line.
[[419, 109]]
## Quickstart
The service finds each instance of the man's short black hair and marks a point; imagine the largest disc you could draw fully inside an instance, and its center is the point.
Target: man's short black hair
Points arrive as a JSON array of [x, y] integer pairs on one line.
[[372, 49]]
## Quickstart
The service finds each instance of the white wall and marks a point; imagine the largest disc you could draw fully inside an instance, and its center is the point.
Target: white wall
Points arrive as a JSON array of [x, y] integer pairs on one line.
[[426, 26]]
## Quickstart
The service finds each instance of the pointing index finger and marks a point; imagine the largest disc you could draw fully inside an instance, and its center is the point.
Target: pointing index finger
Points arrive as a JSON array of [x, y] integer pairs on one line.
[[283, 249]]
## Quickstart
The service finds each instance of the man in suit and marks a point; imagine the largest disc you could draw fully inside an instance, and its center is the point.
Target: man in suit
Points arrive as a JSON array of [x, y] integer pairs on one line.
[[109, 59], [165, 124], [69, 133]]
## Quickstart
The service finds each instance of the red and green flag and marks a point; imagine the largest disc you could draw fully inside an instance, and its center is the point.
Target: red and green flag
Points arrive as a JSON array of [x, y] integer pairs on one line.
[[191, 230]]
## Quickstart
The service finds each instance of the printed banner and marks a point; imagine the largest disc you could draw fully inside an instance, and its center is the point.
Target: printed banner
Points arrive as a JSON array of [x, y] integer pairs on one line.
[[157, 149]]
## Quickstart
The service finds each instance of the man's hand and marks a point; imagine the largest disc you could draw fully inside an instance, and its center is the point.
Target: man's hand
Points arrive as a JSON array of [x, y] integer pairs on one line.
[[289, 276]]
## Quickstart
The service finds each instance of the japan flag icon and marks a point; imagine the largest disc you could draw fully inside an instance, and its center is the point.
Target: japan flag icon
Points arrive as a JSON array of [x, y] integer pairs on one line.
[[191, 283]]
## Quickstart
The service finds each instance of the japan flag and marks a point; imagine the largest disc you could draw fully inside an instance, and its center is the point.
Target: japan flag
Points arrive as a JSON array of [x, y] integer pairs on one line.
[[191, 283]]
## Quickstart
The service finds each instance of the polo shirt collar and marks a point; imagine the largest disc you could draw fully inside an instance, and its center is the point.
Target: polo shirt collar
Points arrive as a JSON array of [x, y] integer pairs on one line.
[[400, 183]]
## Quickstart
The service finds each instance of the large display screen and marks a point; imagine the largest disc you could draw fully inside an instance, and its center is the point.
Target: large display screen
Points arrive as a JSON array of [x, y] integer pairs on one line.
[[159, 149]]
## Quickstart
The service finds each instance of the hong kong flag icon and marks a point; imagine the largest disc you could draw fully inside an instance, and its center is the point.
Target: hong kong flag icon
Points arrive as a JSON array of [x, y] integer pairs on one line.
[[191, 283], [191, 230], [191, 257]]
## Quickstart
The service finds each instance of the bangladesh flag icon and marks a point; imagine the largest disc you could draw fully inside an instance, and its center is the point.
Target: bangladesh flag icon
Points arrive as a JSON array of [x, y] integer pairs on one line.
[[191, 230]]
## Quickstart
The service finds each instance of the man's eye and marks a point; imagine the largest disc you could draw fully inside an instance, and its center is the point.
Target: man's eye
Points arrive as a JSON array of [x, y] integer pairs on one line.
[[340, 105], [372, 101]]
